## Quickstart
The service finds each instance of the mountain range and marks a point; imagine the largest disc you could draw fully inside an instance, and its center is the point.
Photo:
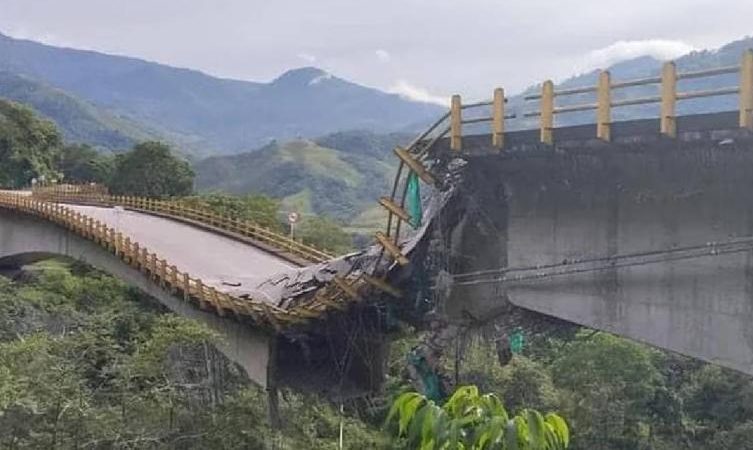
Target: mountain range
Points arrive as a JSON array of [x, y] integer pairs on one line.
[[207, 115], [262, 137]]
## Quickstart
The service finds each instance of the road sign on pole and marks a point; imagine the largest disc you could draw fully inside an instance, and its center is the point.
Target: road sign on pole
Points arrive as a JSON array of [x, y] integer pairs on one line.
[[292, 219]]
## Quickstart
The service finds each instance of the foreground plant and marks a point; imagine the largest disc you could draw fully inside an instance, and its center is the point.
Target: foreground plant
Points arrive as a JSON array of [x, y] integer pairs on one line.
[[469, 420]]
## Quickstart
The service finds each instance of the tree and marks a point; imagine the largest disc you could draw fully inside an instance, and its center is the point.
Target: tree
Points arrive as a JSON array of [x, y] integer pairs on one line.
[[469, 420], [324, 233], [29, 145], [151, 170], [80, 163], [608, 386]]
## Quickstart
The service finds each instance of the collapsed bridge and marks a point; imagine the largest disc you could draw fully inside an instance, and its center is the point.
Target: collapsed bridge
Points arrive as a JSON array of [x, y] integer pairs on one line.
[[642, 228]]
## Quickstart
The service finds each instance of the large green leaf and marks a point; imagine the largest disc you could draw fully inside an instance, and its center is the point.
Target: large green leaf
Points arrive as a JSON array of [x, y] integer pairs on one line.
[[536, 430], [559, 427]]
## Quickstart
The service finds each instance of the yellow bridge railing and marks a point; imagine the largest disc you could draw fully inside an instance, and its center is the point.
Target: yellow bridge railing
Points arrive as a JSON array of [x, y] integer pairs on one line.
[[331, 297], [158, 270], [94, 194], [668, 97]]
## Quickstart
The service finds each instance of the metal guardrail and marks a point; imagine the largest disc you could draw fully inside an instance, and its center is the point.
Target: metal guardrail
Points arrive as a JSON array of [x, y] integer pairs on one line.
[[603, 103], [157, 269], [93, 194]]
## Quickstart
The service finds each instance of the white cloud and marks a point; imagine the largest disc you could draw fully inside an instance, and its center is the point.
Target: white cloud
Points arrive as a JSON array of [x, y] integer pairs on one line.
[[309, 58], [383, 55], [320, 78], [623, 50], [411, 92]]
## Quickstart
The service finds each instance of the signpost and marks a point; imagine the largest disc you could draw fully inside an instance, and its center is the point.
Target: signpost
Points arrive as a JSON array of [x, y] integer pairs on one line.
[[292, 219]]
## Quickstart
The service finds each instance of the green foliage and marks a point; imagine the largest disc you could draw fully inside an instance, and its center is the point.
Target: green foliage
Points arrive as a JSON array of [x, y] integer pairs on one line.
[[608, 384], [256, 208], [86, 362], [469, 420], [79, 122], [29, 146], [324, 233], [82, 164], [310, 178], [151, 170]]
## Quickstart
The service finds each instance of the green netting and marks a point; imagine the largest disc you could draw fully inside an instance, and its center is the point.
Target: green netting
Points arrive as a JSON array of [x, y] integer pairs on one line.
[[429, 378], [517, 341], [413, 201]]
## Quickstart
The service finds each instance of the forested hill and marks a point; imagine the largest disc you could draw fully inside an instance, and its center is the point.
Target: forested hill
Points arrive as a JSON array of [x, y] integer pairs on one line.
[[79, 121], [219, 115], [340, 175]]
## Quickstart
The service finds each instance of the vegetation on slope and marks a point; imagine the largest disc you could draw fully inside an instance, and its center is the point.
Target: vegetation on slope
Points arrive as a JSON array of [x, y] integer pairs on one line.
[[78, 121], [29, 146], [86, 362], [340, 175]]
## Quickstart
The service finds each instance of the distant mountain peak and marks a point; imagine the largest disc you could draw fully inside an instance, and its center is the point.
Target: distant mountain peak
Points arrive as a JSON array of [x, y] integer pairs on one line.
[[203, 112], [303, 76]]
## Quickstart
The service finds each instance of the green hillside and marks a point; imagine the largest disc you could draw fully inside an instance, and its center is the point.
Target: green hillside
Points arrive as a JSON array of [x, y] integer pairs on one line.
[[79, 121], [340, 175]]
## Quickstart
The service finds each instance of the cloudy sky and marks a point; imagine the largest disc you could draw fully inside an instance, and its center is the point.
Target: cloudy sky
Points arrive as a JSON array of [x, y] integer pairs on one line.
[[422, 48]]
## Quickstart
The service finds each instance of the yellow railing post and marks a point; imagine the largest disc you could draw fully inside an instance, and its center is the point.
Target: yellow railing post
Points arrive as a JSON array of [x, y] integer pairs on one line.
[[547, 112], [498, 119], [152, 266], [173, 278], [604, 107], [456, 123], [127, 251], [162, 273], [144, 260], [200, 295], [669, 99], [746, 90], [186, 287]]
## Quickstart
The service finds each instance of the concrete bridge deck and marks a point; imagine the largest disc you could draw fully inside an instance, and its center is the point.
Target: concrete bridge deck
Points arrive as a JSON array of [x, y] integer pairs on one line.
[[227, 264]]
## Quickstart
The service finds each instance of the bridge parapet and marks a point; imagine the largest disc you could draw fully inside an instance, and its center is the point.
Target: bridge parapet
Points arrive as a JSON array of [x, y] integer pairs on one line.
[[160, 271], [604, 102], [273, 242]]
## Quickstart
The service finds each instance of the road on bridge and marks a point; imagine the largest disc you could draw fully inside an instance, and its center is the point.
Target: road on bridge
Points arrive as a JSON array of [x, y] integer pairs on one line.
[[228, 265]]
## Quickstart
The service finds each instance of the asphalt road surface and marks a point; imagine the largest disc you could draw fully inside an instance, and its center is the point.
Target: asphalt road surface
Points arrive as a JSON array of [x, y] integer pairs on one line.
[[228, 265]]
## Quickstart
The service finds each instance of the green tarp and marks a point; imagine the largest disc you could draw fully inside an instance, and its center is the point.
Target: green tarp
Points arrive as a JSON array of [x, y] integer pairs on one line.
[[413, 200], [517, 341]]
